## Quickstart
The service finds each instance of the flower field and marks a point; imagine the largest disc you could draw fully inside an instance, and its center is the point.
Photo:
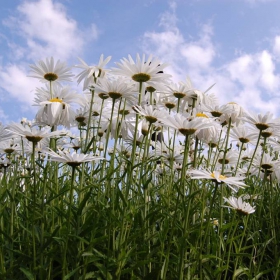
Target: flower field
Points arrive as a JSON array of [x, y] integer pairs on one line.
[[137, 177]]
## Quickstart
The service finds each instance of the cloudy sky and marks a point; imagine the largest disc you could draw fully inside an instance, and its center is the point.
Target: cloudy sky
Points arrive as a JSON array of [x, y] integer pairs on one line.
[[232, 43]]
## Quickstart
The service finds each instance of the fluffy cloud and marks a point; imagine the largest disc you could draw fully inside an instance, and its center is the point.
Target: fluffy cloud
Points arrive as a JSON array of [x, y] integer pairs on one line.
[[248, 77], [48, 30], [17, 84], [42, 29]]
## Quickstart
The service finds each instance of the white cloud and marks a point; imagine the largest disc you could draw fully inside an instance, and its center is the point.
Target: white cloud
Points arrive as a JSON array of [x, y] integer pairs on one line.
[[249, 79], [14, 80], [48, 30], [200, 53], [276, 46]]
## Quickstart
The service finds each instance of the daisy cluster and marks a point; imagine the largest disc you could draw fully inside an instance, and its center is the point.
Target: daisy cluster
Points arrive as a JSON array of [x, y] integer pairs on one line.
[[136, 112], [144, 174]]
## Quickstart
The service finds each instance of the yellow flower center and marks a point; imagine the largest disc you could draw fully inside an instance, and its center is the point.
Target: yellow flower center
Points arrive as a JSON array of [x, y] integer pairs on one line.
[[56, 99], [201, 115], [221, 177]]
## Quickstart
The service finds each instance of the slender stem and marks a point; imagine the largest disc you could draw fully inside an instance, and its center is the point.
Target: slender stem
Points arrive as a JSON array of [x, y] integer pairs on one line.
[[251, 162], [68, 223], [34, 206]]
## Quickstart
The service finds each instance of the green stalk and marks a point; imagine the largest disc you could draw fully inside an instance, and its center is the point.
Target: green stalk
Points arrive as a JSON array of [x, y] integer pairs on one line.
[[239, 156], [185, 213], [89, 121], [251, 162], [34, 208], [68, 222], [226, 146]]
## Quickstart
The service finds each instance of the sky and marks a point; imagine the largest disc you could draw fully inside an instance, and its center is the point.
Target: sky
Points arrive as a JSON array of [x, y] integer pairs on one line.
[[234, 44]]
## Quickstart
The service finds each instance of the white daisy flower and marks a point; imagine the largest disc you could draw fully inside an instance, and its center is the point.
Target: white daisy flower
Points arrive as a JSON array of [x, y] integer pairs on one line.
[[183, 90], [57, 110], [262, 122], [91, 73], [239, 205], [183, 124], [116, 89], [50, 71], [72, 159], [150, 112], [4, 133], [143, 70], [243, 134], [218, 177], [9, 147], [32, 134]]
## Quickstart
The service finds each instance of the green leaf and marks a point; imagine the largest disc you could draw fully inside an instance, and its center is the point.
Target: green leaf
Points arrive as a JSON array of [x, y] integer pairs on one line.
[[240, 271], [71, 273], [27, 273]]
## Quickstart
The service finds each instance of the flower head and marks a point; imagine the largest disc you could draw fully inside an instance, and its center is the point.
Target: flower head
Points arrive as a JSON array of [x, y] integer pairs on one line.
[[91, 73], [72, 159], [239, 205], [56, 110], [218, 177], [32, 134], [143, 70], [183, 124], [262, 122], [50, 71]]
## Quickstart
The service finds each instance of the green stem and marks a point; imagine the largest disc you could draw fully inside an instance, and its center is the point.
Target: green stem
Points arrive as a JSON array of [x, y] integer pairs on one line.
[[68, 223]]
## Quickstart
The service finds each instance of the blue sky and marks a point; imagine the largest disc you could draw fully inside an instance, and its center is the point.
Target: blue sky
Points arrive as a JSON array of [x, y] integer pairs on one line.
[[233, 43]]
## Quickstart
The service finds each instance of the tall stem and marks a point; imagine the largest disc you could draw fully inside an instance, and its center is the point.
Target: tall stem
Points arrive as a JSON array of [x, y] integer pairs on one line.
[[68, 222]]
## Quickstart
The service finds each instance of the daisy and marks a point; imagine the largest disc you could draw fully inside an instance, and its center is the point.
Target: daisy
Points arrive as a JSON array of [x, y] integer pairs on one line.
[[210, 135], [218, 177], [167, 102], [9, 147], [5, 134], [116, 89], [75, 144], [50, 71], [239, 205], [143, 70], [91, 73], [56, 111], [82, 115], [150, 112], [32, 134], [231, 158], [262, 122], [72, 159], [243, 134], [182, 123], [184, 91], [265, 162], [231, 111]]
